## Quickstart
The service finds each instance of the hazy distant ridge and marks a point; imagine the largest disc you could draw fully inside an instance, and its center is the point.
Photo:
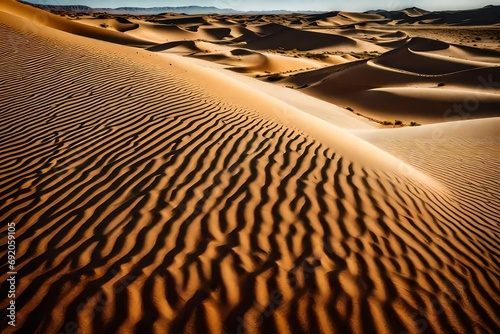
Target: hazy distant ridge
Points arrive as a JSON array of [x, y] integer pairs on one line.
[[158, 10]]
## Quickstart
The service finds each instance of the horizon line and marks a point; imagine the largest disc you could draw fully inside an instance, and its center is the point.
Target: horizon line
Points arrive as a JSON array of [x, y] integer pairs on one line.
[[262, 11]]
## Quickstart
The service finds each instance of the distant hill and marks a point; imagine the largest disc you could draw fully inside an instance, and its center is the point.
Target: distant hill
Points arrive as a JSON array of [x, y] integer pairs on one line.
[[158, 10]]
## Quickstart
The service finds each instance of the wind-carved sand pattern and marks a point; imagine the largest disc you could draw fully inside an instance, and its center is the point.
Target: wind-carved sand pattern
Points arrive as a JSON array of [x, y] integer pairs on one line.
[[144, 203]]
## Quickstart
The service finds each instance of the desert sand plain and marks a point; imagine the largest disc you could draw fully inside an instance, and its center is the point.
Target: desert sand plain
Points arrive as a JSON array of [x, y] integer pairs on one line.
[[246, 174]]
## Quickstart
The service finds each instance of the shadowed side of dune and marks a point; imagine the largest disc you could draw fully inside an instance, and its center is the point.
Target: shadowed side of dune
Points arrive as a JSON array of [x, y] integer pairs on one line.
[[181, 20], [420, 57], [186, 45], [290, 38]]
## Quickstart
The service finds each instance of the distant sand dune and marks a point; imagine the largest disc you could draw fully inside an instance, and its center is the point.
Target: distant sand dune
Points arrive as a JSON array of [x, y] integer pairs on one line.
[[361, 17], [118, 24], [180, 46], [422, 80], [152, 196], [290, 38], [417, 57], [243, 60]]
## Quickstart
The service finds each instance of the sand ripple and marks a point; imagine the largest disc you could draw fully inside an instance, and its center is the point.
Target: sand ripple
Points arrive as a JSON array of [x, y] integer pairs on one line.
[[145, 204]]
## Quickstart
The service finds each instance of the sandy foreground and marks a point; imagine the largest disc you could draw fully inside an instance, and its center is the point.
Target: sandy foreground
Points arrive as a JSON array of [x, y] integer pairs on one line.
[[154, 191]]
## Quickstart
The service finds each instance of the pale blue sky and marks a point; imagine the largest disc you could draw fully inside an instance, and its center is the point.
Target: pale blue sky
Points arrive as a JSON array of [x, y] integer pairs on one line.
[[352, 5]]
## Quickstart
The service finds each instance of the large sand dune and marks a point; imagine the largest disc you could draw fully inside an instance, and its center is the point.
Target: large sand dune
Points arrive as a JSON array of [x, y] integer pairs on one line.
[[152, 194], [424, 80]]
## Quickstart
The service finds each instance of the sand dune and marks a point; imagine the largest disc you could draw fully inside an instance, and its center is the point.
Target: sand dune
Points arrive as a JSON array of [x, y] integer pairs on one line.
[[424, 80], [361, 17], [179, 46], [155, 195], [162, 33], [449, 152], [243, 34], [414, 12], [290, 38], [377, 36], [118, 24], [481, 16], [244, 60], [35, 16], [418, 57]]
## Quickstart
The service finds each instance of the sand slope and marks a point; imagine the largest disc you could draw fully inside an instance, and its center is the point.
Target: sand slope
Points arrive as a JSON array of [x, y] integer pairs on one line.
[[35, 17], [151, 196]]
